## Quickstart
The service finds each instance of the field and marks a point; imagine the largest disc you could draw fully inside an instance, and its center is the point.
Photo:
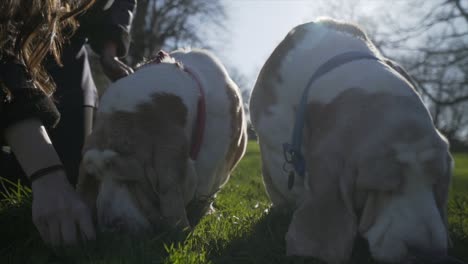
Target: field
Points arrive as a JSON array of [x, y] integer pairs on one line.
[[244, 229]]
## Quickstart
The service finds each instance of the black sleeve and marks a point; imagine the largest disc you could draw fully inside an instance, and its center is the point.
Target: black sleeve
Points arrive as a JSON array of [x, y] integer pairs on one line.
[[109, 20], [20, 100]]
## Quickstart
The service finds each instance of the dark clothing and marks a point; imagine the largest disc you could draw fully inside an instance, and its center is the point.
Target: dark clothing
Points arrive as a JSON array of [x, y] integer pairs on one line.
[[76, 93], [75, 85], [20, 100], [102, 23]]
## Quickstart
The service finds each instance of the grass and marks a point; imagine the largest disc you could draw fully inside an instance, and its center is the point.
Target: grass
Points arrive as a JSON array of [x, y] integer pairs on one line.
[[244, 229], [460, 182]]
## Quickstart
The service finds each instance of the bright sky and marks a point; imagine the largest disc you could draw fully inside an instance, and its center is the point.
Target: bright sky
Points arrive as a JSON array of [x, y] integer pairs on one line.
[[257, 26], [256, 29]]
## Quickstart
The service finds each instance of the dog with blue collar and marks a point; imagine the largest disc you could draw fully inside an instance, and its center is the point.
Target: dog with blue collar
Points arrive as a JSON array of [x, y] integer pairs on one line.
[[347, 144]]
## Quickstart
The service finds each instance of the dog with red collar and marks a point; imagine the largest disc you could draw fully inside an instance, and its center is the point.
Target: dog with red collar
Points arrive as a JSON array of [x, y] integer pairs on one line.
[[165, 141], [347, 143]]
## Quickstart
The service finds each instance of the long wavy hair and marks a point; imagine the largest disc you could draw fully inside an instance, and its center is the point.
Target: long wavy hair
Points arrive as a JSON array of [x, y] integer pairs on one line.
[[31, 29]]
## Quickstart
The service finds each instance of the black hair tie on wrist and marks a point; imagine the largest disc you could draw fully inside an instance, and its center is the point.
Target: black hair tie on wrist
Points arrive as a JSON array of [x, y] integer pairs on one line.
[[42, 172]]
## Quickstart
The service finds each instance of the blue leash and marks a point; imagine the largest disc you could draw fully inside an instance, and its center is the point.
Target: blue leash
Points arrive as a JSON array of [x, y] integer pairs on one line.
[[292, 152]]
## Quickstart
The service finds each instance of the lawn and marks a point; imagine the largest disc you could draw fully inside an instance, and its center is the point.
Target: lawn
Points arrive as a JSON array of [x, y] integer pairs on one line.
[[244, 229]]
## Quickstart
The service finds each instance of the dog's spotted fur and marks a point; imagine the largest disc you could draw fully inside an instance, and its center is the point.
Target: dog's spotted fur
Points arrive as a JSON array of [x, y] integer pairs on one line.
[[136, 160], [369, 143]]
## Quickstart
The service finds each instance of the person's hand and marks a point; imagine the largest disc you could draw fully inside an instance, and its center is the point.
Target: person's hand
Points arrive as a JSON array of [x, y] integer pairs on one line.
[[59, 215], [57, 211], [111, 65]]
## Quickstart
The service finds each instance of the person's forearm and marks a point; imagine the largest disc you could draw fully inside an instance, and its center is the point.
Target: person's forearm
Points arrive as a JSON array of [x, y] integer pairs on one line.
[[31, 145], [57, 211]]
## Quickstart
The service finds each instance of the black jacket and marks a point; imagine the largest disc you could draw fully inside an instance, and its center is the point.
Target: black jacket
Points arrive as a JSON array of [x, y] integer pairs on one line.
[[20, 100], [106, 20]]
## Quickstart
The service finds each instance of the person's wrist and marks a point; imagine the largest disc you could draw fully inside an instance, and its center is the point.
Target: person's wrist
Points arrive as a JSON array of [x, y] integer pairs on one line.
[[53, 178], [45, 171]]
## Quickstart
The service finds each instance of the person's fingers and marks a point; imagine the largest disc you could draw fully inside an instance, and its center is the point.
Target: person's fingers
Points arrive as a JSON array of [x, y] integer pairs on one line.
[[114, 68], [126, 67], [85, 224], [121, 69], [116, 72], [43, 229], [54, 232], [118, 69], [57, 213], [68, 229]]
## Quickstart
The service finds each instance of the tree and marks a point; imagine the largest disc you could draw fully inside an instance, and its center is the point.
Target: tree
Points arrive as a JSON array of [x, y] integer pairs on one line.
[[172, 24], [434, 49]]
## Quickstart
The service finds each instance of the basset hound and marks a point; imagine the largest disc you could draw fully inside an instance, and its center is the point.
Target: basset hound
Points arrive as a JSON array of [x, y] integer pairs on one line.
[[165, 141], [347, 143]]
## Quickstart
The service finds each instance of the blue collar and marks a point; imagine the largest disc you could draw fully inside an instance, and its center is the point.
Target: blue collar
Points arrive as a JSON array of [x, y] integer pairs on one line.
[[292, 152]]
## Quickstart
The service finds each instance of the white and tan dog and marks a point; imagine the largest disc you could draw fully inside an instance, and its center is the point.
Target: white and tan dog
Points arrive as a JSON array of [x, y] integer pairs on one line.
[[375, 164], [137, 172]]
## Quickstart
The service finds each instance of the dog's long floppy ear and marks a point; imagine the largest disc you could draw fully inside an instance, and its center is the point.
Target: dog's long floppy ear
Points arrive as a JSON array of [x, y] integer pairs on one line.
[[325, 225], [87, 187], [170, 168], [96, 164], [126, 168], [379, 173], [375, 175], [92, 164]]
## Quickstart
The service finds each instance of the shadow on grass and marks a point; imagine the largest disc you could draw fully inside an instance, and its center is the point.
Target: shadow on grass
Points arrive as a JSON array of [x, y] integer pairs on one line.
[[20, 243], [266, 244], [263, 243], [458, 225], [460, 246]]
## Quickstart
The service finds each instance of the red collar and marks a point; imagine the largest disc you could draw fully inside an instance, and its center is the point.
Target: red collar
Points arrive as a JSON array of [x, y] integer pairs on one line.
[[199, 126]]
